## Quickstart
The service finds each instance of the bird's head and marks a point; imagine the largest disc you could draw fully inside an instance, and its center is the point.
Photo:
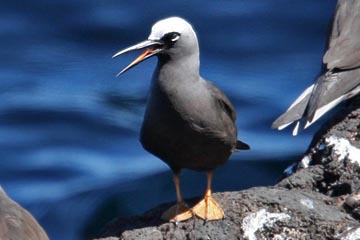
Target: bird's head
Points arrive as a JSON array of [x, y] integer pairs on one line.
[[172, 37]]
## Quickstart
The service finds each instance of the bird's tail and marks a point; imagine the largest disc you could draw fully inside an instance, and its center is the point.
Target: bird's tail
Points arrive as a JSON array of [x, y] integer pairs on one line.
[[241, 145]]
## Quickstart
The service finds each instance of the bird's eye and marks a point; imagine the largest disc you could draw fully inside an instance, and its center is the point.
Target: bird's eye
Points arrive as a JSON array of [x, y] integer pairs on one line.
[[171, 37]]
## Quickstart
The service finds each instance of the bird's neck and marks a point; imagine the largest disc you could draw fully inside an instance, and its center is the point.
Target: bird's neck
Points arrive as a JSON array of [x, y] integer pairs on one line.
[[180, 69]]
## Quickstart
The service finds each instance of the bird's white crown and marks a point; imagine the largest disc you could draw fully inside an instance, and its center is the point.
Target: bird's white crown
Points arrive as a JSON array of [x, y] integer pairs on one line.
[[172, 24]]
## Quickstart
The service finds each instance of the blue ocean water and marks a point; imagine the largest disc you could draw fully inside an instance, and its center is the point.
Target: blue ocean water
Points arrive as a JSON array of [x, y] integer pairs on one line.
[[69, 129]]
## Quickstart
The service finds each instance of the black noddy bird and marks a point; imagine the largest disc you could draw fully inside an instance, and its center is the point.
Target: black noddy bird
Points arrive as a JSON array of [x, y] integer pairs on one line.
[[16, 223], [189, 122], [341, 79]]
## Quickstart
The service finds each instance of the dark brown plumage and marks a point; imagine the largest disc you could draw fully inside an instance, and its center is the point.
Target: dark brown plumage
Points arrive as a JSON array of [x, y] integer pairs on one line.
[[16, 223]]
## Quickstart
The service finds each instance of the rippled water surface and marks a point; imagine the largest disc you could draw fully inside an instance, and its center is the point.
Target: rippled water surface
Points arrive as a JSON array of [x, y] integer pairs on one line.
[[69, 129]]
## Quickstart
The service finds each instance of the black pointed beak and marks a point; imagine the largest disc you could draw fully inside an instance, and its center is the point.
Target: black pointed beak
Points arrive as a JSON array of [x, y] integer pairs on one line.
[[153, 47]]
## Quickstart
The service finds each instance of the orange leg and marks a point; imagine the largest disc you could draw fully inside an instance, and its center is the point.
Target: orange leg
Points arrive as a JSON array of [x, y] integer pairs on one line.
[[208, 208], [180, 211]]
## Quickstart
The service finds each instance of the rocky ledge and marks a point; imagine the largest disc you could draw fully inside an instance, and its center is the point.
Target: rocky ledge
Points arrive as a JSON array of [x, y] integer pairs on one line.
[[318, 198]]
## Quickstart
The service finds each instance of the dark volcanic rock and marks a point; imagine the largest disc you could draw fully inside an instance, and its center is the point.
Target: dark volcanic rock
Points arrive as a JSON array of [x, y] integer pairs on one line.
[[331, 165], [319, 200], [256, 213]]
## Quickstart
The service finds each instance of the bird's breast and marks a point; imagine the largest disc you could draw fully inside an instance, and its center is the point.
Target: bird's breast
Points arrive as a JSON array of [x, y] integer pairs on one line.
[[183, 125], [188, 101], [184, 108]]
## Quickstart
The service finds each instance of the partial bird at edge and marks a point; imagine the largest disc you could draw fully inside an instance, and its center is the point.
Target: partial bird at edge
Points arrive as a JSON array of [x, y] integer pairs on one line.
[[16, 222], [341, 80]]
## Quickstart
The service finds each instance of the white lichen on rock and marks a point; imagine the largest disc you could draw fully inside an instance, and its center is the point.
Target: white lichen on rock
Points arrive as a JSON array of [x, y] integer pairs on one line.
[[260, 219], [305, 162], [342, 148], [353, 234], [307, 203]]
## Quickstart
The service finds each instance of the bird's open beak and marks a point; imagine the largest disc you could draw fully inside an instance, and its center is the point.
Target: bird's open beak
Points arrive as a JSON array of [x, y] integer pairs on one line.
[[153, 47]]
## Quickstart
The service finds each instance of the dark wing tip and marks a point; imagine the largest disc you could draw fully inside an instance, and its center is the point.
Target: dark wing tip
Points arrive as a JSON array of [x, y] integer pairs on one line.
[[241, 145]]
